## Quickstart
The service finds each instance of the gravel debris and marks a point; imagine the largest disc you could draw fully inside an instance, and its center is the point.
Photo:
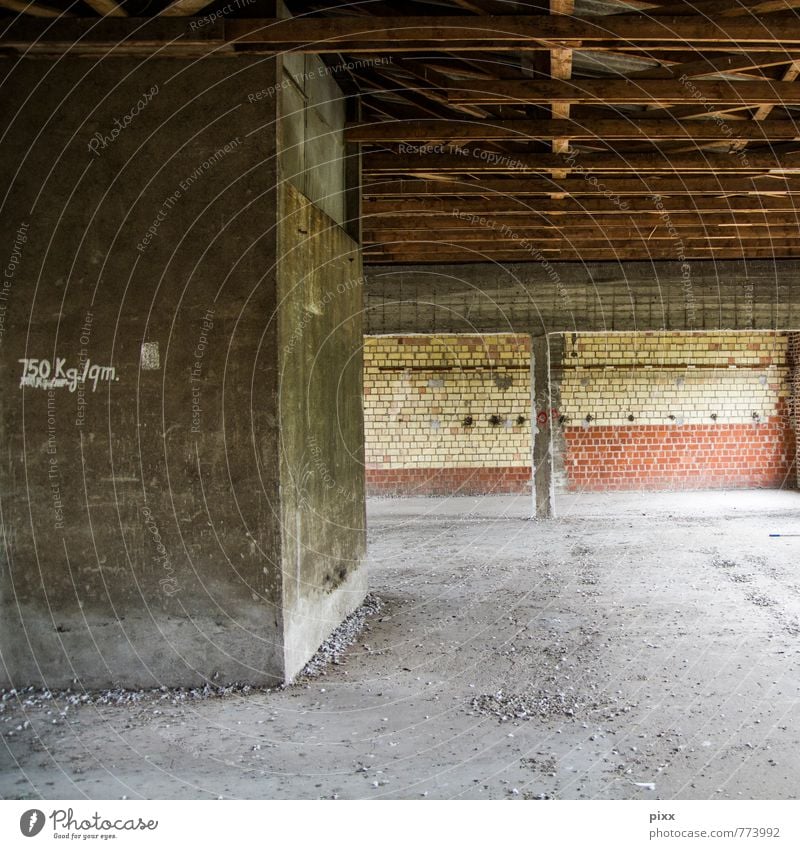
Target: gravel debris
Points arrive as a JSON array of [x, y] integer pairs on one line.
[[760, 600], [330, 652], [37, 697], [333, 649], [542, 704]]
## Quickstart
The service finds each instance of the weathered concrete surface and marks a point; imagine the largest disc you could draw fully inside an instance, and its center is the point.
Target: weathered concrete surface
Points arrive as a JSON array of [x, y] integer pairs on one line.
[[546, 357], [670, 619], [143, 529], [322, 434], [539, 298], [140, 545]]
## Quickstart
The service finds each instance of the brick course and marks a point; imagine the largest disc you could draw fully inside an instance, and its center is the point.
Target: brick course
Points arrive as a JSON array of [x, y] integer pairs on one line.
[[417, 392], [688, 377], [793, 358]]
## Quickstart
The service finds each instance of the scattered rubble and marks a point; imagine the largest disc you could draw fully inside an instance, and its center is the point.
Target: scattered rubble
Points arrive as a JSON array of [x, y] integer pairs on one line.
[[506, 706], [332, 650]]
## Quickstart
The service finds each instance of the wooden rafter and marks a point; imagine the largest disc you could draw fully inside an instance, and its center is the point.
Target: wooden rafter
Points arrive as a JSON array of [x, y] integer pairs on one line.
[[727, 8], [184, 8], [499, 189], [476, 160], [469, 34], [624, 136], [37, 10], [438, 130], [107, 7], [614, 92]]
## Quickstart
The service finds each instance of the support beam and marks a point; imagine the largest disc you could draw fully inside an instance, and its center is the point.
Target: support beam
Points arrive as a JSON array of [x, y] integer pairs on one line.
[[522, 32], [454, 253], [764, 110], [435, 130], [36, 10], [477, 160], [506, 189], [560, 69], [714, 9], [183, 8], [503, 208], [650, 234], [615, 92], [735, 63], [107, 8], [457, 34]]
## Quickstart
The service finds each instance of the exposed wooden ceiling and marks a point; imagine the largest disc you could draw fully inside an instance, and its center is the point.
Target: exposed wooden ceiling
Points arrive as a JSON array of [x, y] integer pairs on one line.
[[555, 130]]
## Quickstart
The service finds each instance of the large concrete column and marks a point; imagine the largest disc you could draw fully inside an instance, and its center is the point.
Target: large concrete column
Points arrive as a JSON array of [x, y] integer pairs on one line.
[[546, 354], [181, 486]]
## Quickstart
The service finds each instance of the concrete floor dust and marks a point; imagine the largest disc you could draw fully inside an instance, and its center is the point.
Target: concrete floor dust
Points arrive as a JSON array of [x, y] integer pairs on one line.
[[640, 646]]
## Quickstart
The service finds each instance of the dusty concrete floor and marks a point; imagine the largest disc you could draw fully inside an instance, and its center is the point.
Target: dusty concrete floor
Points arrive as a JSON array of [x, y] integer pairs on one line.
[[659, 635]]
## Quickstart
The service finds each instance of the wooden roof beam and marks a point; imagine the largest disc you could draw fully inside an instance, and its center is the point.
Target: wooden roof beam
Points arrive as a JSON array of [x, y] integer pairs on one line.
[[184, 8], [612, 129], [476, 160], [616, 92], [645, 185], [36, 10], [107, 8], [393, 35]]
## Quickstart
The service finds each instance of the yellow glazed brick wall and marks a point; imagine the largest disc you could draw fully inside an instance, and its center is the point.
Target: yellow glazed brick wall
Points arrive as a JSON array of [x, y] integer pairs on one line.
[[419, 389], [655, 375]]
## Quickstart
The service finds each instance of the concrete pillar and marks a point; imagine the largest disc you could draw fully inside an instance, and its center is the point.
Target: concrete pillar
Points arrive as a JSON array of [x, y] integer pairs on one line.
[[545, 353], [182, 480]]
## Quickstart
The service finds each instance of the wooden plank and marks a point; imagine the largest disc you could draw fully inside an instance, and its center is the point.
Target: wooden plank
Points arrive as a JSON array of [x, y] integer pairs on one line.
[[438, 130], [734, 63], [96, 35], [727, 8], [560, 69], [37, 10], [616, 92], [458, 34], [530, 186], [107, 7], [590, 254], [183, 8], [585, 235], [520, 32], [508, 207], [534, 220], [458, 257], [477, 160], [763, 111]]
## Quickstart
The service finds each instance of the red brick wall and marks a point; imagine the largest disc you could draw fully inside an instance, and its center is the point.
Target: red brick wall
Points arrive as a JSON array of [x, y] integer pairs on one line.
[[793, 357], [663, 410], [727, 456], [449, 481]]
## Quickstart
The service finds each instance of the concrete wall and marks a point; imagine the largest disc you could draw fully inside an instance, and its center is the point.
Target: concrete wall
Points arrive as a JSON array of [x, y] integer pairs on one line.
[[321, 426], [676, 411], [418, 392], [144, 536], [311, 127], [550, 297]]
